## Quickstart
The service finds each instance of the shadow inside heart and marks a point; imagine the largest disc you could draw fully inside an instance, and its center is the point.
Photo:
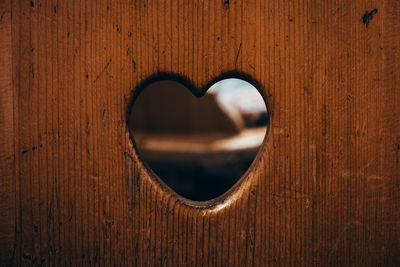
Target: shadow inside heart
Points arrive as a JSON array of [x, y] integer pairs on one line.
[[199, 147]]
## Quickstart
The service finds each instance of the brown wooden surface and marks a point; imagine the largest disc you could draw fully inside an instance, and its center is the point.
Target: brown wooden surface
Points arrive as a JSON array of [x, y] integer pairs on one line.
[[324, 191]]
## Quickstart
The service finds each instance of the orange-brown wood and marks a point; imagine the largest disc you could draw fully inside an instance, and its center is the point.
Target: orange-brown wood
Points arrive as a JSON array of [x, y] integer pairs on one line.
[[324, 190]]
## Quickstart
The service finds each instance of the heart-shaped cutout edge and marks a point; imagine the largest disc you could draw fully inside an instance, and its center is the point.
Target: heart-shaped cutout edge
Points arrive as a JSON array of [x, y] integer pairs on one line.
[[197, 92]]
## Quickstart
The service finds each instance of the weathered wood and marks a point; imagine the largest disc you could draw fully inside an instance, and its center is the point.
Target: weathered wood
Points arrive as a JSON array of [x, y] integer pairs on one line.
[[323, 191]]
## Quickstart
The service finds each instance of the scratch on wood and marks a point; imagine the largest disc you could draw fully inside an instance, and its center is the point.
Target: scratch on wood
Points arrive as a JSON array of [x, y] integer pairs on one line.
[[377, 177], [238, 52], [134, 65], [31, 149], [226, 4], [313, 153], [130, 180], [2, 15], [367, 17], [340, 236], [102, 71]]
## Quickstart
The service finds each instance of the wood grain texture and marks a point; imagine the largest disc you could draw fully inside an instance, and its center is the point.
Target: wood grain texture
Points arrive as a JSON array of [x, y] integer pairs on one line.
[[324, 191]]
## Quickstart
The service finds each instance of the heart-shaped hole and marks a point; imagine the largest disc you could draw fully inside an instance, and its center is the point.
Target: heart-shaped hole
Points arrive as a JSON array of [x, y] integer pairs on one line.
[[199, 147]]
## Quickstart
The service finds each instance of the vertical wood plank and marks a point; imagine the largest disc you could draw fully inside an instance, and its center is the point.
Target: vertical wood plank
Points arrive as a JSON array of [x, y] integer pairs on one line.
[[324, 190]]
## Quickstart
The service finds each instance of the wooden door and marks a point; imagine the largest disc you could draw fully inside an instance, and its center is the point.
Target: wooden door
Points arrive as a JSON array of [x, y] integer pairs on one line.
[[323, 191]]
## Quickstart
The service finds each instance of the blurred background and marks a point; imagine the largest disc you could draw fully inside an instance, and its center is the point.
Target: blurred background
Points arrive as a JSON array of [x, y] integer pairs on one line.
[[200, 147]]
